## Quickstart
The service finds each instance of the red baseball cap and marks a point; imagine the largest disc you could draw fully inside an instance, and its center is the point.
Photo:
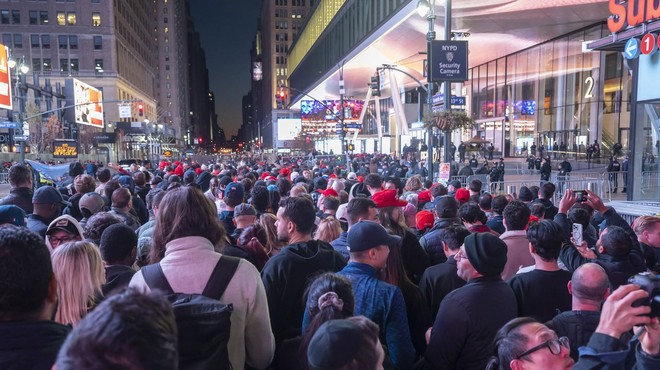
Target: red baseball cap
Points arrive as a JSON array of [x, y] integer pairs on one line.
[[424, 219], [463, 195], [387, 198]]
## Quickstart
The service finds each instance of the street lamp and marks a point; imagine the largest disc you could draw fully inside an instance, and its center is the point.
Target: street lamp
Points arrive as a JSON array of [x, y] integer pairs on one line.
[[21, 93]]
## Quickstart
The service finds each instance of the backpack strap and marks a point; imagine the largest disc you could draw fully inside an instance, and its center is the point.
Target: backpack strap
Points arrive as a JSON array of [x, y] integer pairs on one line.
[[221, 276], [155, 278]]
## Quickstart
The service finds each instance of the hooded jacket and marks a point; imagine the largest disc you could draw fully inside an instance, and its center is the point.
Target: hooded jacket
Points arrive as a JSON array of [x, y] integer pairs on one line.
[[31, 345], [286, 276], [72, 220], [431, 241]]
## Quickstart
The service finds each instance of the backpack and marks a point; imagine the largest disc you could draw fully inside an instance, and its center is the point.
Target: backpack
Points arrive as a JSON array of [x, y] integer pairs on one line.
[[203, 323]]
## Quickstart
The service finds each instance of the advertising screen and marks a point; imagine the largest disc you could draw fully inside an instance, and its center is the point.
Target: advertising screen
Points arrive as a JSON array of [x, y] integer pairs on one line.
[[5, 78], [89, 104], [65, 149], [329, 110], [288, 128]]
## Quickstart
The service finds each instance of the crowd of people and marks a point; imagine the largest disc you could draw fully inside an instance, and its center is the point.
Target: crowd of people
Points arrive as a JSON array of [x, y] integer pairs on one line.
[[315, 265]]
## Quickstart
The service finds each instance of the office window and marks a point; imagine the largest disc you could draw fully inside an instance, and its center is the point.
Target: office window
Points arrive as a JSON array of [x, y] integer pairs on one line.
[[64, 65], [34, 41], [165, 19], [18, 41], [167, 67], [96, 19], [36, 64], [43, 17], [96, 1], [167, 58], [73, 42], [6, 39], [98, 65], [48, 65], [71, 18], [16, 16], [61, 18], [98, 43], [34, 19], [4, 16], [45, 41], [74, 65], [63, 41]]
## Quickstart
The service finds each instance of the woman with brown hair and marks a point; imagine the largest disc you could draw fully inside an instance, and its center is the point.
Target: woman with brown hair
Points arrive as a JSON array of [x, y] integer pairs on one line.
[[186, 239], [267, 220], [253, 241], [328, 230]]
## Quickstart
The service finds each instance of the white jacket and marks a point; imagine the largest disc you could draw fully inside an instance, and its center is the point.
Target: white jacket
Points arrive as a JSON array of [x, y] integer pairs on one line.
[[188, 264]]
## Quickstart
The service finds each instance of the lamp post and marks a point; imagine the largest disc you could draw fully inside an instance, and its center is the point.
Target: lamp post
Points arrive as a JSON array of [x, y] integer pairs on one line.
[[21, 92], [424, 8]]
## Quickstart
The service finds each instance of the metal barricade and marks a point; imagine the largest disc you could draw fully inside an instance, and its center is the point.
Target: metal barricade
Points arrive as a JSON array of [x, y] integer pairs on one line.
[[4, 178], [650, 183], [597, 186], [485, 183], [462, 179]]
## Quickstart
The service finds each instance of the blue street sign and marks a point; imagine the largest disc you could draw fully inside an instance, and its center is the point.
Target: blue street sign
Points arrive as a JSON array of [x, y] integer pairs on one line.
[[20, 138], [449, 61], [457, 100], [7, 124], [631, 50]]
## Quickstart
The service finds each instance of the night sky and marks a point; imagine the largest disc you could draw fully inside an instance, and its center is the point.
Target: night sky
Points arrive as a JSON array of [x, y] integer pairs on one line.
[[227, 28]]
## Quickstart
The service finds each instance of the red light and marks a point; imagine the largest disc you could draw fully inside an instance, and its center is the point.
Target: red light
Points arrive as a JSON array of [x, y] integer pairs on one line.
[[140, 106], [282, 94]]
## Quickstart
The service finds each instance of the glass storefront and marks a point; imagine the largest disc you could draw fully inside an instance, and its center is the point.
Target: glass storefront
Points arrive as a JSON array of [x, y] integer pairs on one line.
[[647, 151], [554, 94]]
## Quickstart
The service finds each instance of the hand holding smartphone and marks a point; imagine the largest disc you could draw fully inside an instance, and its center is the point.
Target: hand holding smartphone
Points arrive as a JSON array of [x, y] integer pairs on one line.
[[577, 234]]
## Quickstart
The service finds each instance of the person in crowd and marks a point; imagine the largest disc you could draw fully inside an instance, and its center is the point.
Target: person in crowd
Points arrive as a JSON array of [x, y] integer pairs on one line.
[[588, 288], [546, 170], [118, 326], [285, 274], [462, 195], [213, 193], [525, 195], [613, 170], [187, 232], [244, 216], [537, 210], [78, 269], [83, 184], [147, 230], [118, 250], [328, 229], [369, 246], [358, 209], [436, 192], [466, 323], [350, 344], [647, 229], [29, 337], [274, 244], [516, 216], [329, 297], [97, 224], [90, 204], [103, 175], [545, 194], [442, 278], [496, 221], [424, 221], [329, 206], [260, 199], [122, 203], [413, 185], [474, 219], [48, 204], [253, 240], [141, 188], [62, 230], [138, 208], [12, 215], [485, 203], [618, 250], [21, 183], [475, 190], [234, 194], [204, 178], [541, 293], [446, 213], [373, 183]]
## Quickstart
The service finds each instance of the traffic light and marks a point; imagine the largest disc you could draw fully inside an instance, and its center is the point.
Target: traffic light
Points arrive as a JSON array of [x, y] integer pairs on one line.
[[375, 85], [351, 147], [141, 109]]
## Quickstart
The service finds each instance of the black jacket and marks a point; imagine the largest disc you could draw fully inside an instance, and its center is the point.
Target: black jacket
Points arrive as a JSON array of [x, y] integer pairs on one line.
[[550, 209], [30, 345], [415, 259], [432, 242], [466, 324], [286, 276], [578, 326], [437, 282], [116, 278], [21, 197]]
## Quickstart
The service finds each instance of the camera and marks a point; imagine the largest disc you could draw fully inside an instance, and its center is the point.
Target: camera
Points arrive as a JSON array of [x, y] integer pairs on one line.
[[581, 195], [651, 284]]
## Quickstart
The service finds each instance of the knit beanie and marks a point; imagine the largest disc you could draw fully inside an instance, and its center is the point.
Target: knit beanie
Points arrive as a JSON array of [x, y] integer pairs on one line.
[[525, 194], [486, 253]]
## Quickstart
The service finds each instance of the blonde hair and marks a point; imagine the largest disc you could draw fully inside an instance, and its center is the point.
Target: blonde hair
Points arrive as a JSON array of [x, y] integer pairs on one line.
[[329, 229], [645, 223], [414, 183], [79, 272]]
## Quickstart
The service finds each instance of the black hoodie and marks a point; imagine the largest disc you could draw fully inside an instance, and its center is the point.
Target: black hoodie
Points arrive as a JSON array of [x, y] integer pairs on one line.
[[287, 275], [30, 345]]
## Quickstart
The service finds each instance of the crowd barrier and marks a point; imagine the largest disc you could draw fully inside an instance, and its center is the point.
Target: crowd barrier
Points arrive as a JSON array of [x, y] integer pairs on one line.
[[4, 178]]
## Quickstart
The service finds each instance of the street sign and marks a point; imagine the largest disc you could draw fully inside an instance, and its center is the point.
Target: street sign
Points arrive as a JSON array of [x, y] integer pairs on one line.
[[20, 138], [8, 124], [124, 111], [649, 45], [449, 61], [631, 50], [457, 100]]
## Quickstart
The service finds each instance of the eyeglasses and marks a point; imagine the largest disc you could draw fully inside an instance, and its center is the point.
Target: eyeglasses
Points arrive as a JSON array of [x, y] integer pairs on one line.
[[554, 345], [54, 240]]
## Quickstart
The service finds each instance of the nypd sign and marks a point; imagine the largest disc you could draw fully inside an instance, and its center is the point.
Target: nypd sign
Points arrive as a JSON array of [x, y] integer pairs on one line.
[[449, 61]]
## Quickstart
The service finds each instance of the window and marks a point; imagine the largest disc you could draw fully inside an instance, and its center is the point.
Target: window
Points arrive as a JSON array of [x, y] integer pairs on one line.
[[36, 64], [63, 41], [74, 65], [61, 18], [43, 17], [33, 17], [45, 41], [48, 66], [16, 16], [73, 42], [18, 41], [71, 18], [96, 19], [98, 65], [98, 43], [165, 19], [96, 1], [64, 65], [34, 41], [167, 67], [4, 16], [167, 58], [6, 39]]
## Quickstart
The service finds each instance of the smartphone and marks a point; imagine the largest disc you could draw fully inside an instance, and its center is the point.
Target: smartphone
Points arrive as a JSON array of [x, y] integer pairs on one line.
[[577, 234], [581, 195]]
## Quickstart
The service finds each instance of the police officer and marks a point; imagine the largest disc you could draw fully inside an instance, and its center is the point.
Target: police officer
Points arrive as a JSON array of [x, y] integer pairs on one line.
[[613, 170], [494, 176], [461, 151], [546, 170], [564, 169], [500, 172], [530, 163], [473, 162]]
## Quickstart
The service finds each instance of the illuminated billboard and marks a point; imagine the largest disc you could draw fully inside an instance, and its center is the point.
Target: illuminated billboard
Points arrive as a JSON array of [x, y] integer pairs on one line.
[[88, 103], [5, 78], [328, 110], [288, 128]]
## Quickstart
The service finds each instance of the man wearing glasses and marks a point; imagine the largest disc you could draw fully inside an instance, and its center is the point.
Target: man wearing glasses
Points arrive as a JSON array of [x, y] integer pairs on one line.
[[470, 316]]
